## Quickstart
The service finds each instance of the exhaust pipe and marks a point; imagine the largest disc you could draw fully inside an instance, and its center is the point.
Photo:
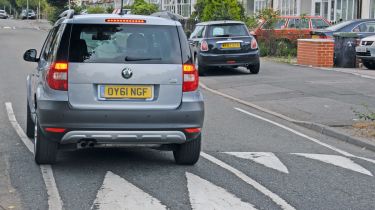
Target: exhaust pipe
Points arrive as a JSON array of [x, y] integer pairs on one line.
[[91, 144], [82, 144]]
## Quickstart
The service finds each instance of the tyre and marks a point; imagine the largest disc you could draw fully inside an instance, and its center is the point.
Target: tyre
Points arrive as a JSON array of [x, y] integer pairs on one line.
[[254, 68], [189, 152], [201, 70], [369, 64], [30, 125], [45, 150]]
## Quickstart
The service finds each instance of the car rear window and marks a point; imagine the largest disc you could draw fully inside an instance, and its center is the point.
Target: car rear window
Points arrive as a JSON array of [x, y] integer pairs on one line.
[[227, 30], [112, 43]]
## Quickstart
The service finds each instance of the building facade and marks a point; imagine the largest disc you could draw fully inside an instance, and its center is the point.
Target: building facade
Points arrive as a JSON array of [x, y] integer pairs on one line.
[[333, 10]]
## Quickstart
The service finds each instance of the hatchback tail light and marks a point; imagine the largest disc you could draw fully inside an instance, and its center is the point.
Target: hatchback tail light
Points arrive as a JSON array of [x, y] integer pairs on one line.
[[191, 78], [57, 76], [254, 44], [204, 46]]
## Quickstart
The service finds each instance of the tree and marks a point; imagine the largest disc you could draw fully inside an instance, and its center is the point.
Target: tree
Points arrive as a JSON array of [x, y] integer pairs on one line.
[[96, 10], [220, 10], [141, 7], [4, 3]]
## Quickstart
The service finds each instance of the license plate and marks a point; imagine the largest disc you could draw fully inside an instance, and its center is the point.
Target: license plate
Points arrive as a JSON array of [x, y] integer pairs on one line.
[[231, 45], [126, 91], [315, 37], [361, 49]]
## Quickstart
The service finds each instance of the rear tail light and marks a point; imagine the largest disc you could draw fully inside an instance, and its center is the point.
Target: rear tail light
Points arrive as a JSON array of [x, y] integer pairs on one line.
[[204, 46], [191, 78], [254, 44], [57, 76], [192, 130], [55, 130]]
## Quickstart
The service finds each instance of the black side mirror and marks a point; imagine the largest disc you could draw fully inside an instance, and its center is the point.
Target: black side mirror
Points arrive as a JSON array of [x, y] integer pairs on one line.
[[30, 55]]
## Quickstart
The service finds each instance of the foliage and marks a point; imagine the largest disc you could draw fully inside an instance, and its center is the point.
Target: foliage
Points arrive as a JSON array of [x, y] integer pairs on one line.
[[96, 10], [109, 10], [221, 10], [251, 22], [367, 115], [141, 7], [4, 3], [207, 10]]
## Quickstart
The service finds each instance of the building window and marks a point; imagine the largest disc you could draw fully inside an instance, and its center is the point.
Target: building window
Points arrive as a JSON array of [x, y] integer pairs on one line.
[[260, 5], [372, 9], [181, 7], [288, 7]]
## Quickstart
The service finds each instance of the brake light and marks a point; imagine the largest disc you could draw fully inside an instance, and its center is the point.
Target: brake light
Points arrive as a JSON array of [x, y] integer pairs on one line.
[[55, 130], [204, 46], [120, 20], [57, 76], [191, 78], [254, 44], [192, 130]]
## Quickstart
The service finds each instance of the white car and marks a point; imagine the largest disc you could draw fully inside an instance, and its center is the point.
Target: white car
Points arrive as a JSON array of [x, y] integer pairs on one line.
[[3, 14], [366, 52]]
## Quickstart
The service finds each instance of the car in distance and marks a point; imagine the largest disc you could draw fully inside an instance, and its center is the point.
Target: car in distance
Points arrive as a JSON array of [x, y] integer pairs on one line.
[[114, 80], [366, 52], [3, 14], [30, 14], [291, 28], [362, 27], [224, 44]]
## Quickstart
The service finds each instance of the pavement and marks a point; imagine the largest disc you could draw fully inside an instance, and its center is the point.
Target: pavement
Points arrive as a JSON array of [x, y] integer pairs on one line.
[[249, 160]]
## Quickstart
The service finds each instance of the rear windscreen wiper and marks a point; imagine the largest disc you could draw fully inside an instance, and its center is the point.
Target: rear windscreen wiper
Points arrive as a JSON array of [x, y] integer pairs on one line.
[[224, 35], [130, 58]]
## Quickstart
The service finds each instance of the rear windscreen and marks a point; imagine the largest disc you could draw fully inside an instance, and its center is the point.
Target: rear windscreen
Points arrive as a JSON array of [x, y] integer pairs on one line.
[[107, 43], [227, 30]]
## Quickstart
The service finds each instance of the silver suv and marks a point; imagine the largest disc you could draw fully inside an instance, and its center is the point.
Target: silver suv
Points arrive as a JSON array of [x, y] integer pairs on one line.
[[112, 80]]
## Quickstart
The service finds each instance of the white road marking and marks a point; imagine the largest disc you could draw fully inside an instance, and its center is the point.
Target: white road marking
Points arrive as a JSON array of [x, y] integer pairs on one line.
[[267, 159], [206, 196], [337, 160], [278, 200], [7, 27], [297, 133], [17, 127], [305, 136], [117, 193], [54, 199]]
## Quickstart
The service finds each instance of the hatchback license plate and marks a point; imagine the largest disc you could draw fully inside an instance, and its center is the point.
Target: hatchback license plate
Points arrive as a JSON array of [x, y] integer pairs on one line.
[[126, 91], [231, 45]]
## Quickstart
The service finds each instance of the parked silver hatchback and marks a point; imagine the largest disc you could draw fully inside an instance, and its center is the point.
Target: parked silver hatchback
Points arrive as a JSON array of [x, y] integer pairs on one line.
[[114, 80]]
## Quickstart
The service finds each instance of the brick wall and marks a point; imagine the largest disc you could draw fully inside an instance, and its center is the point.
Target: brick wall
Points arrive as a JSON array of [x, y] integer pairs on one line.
[[315, 52]]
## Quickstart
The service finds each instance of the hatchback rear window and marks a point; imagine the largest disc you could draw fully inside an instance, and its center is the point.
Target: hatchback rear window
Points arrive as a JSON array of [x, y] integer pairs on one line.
[[107, 43], [227, 30]]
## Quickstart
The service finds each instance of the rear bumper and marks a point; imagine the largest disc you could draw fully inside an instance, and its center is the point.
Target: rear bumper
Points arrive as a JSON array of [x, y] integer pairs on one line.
[[120, 126], [241, 59]]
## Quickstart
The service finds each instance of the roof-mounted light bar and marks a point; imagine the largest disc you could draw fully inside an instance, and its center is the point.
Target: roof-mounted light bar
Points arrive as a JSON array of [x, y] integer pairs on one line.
[[121, 20]]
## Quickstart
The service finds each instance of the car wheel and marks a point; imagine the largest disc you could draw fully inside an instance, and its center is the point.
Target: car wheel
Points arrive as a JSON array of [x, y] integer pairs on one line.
[[30, 125], [254, 68], [369, 64], [45, 150], [201, 70], [188, 153]]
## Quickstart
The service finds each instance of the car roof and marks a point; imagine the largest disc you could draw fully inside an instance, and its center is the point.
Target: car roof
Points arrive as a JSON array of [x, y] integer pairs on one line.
[[220, 22], [307, 16], [100, 19]]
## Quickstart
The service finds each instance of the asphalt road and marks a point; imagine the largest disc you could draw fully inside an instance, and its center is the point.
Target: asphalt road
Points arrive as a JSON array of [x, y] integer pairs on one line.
[[249, 161]]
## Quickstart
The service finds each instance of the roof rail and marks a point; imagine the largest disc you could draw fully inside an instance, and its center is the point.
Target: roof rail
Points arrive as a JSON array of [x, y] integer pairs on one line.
[[67, 14]]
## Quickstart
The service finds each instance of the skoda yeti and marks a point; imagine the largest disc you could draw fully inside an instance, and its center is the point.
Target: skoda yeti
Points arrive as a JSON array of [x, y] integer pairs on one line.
[[114, 80]]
